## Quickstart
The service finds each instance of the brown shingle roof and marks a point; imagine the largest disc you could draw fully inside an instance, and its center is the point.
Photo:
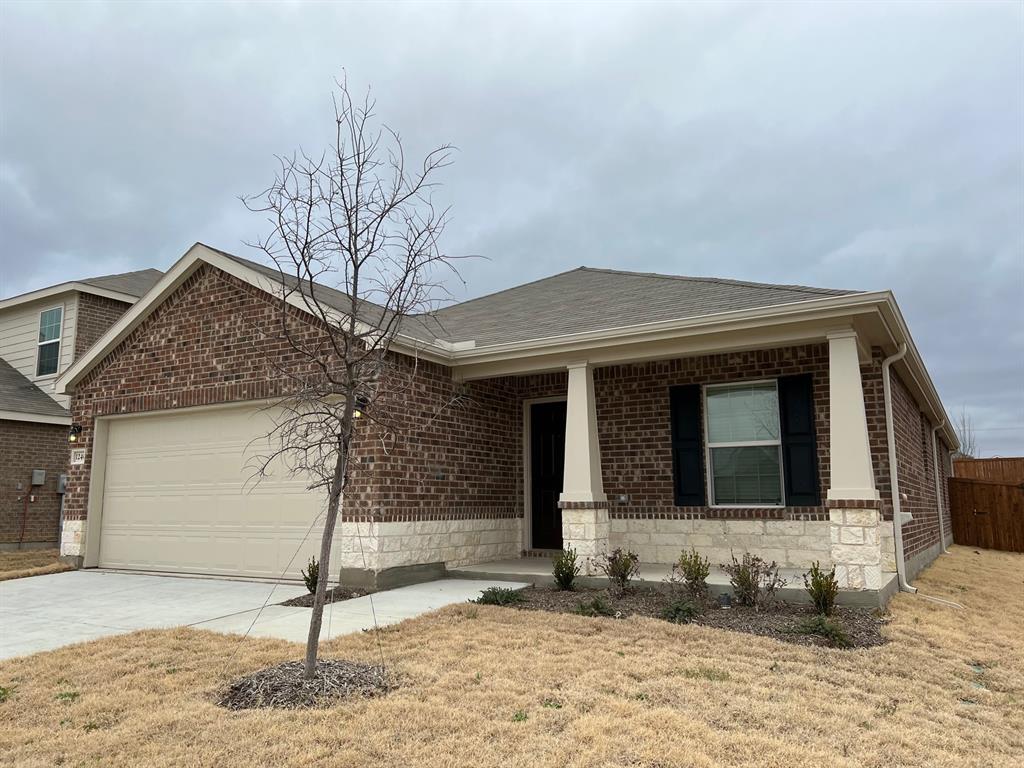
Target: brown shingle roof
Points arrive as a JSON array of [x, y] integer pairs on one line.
[[580, 300], [20, 395]]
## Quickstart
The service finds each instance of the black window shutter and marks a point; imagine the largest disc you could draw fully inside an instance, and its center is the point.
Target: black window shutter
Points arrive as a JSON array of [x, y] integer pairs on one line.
[[799, 447], [687, 451]]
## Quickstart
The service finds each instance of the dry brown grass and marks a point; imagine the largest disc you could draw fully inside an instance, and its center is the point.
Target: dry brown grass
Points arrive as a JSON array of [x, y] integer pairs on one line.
[[18, 564], [948, 690]]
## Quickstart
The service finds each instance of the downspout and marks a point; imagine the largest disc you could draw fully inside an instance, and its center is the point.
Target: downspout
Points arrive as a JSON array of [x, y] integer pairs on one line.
[[938, 485], [894, 484], [894, 475]]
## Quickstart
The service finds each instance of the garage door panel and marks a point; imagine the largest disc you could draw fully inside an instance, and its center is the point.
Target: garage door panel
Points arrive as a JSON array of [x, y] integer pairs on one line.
[[180, 495]]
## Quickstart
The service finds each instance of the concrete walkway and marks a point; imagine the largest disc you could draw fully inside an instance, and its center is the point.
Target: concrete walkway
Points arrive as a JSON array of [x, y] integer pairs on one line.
[[46, 612]]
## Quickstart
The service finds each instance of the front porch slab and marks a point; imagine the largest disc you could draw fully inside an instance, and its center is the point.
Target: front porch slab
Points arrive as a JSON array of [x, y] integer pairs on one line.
[[537, 570]]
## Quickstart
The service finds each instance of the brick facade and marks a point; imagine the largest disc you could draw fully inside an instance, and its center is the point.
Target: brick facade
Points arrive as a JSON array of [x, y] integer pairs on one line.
[[634, 431], [916, 467], [206, 345], [95, 315], [25, 446], [452, 477]]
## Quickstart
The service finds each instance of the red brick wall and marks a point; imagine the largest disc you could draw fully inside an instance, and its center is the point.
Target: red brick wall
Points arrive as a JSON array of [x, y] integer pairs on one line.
[[634, 430], [210, 343], [25, 446], [916, 467], [95, 315]]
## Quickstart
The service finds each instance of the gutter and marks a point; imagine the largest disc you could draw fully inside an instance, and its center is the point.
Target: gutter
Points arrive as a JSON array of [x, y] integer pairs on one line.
[[894, 484], [894, 475]]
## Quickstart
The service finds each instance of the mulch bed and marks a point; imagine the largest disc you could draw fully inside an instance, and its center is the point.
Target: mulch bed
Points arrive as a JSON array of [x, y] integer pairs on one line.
[[285, 686], [334, 595], [782, 621]]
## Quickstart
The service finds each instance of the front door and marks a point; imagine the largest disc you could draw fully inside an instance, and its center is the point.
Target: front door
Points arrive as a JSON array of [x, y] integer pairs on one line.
[[547, 461]]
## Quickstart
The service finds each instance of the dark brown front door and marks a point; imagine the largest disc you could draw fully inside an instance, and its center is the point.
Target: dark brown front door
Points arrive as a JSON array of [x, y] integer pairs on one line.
[[547, 461]]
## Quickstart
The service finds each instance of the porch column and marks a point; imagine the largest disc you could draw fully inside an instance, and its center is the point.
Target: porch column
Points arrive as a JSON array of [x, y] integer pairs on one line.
[[583, 503], [852, 499]]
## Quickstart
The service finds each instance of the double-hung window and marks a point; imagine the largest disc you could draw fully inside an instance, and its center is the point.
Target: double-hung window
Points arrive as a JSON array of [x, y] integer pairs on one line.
[[744, 444], [748, 444], [48, 354]]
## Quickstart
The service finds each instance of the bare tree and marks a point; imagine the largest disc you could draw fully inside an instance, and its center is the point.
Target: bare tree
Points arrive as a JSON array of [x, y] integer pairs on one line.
[[354, 234], [963, 425]]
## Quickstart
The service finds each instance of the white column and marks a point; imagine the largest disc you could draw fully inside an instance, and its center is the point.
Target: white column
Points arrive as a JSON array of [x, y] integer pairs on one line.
[[852, 499], [849, 448], [582, 481], [584, 506]]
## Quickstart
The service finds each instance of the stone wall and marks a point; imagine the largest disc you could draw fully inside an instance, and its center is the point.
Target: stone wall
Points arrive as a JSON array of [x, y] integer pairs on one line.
[[25, 446], [791, 543]]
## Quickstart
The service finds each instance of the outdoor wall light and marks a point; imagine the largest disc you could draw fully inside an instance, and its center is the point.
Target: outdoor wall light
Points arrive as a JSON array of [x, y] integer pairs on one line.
[[74, 432], [362, 403]]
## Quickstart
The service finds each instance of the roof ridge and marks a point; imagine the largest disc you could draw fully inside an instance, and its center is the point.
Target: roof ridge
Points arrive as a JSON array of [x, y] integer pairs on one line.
[[721, 280], [114, 274]]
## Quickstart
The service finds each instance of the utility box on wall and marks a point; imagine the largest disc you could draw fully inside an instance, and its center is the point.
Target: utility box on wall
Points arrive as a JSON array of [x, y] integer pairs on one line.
[[62, 483], [38, 476]]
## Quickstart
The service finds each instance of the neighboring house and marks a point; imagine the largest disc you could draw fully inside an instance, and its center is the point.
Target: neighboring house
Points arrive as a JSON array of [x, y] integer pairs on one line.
[[596, 409], [41, 334]]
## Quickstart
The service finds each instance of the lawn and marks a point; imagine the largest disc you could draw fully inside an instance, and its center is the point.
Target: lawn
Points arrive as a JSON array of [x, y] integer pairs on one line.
[[17, 564], [488, 686]]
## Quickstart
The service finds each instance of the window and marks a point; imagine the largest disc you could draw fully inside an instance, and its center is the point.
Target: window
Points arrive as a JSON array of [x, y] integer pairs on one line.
[[48, 356], [744, 444]]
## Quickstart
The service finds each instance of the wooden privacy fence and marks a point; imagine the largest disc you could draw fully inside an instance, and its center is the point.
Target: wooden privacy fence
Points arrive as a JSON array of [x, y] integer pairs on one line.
[[987, 514], [997, 470]]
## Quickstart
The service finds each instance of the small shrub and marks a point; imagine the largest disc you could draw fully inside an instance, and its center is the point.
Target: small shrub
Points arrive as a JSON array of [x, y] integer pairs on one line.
[[620, 568], [565, 568], [822, 587], [311, 575], [6, 692], [680, 612], [754, 581], [67, 696], [691, 572], [519, 717], [598, 606], [499, 596], [825, 627]]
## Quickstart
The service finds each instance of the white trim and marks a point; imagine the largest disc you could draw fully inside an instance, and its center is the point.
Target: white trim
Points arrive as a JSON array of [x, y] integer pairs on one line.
[[709, 471], [528, 464], [54, 290], [40, 344], [37, 418]]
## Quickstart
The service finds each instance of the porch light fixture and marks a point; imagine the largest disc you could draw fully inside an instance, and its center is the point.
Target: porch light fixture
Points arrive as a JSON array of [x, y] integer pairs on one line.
[[362, 403], [74, 432]]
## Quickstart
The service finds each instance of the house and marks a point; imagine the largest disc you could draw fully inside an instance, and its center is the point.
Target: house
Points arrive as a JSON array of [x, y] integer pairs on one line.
[[41, 334], [597, 409]]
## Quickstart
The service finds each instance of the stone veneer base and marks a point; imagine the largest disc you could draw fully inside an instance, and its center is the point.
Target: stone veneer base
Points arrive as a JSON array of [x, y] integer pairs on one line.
[[790, 543]]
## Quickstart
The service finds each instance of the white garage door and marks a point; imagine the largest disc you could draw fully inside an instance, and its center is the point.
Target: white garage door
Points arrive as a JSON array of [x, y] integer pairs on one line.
[[179, 495]]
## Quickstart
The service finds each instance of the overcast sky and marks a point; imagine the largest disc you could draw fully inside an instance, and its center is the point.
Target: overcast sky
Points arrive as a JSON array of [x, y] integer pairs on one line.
[[858, 146]]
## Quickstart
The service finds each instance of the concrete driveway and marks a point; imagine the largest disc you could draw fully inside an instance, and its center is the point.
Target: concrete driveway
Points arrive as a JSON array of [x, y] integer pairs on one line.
[[46, 612]]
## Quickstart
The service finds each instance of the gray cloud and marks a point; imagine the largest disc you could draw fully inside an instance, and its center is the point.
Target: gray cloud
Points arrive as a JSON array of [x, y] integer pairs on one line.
[[863, 146]]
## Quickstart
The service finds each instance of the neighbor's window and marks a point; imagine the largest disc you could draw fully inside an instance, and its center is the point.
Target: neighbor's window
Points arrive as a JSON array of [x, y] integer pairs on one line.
[[744, 444], [49, 341]]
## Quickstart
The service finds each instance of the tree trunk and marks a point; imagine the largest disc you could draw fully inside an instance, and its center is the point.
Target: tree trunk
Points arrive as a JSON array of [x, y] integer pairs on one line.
[[316, 619]]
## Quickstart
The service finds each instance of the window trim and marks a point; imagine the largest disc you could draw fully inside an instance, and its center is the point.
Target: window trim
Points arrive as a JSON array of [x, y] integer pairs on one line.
[[40, 344], [709, 468]]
